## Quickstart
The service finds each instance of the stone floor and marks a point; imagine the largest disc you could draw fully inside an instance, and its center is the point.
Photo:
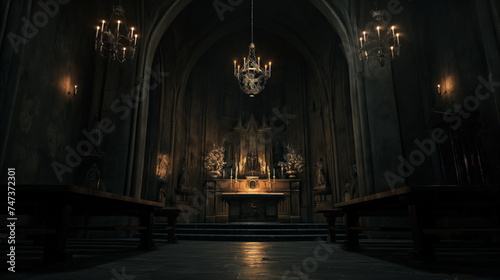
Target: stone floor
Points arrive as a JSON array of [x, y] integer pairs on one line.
[[258, 260]]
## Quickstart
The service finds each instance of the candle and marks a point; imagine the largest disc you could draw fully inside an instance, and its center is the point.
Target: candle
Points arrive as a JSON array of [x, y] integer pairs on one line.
[[439, 89], [274, 173], [258, 61], [244, 61], [103, 25], [361, 42], [97, 32], [76, 90], [393, 31], [397, 36], [235, 64], [124, 49], [270, 63], [118, 28], [131, 32], [231, 173], [135, 40], [364, 35], [378, 31], [392, 51]]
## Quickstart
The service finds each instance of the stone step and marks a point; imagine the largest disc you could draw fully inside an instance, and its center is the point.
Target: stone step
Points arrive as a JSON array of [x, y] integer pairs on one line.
[[247, 231]]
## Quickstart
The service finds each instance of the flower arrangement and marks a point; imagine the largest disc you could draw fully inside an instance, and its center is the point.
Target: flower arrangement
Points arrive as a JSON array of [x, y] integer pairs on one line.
[[214, 161], [293, 160]]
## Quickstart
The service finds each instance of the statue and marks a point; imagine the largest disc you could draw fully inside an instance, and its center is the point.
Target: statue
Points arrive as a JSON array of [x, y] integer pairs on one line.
[[350, 187], [320, 174]]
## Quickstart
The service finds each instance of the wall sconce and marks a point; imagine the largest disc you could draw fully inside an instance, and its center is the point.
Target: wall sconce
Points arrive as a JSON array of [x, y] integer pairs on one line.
[[75, 91], [439, 90]]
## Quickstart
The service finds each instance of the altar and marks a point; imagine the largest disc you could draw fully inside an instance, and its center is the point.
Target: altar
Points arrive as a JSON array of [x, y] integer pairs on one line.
[[254, 200], [252, 207], [253, 187]]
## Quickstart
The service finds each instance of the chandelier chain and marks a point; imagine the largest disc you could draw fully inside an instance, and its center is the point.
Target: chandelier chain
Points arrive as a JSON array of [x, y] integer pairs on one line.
[[251, 24]]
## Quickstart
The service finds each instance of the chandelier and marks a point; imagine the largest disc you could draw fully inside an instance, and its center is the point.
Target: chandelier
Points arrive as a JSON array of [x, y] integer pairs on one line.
[[377, 44], [114, 39], [252, 77]]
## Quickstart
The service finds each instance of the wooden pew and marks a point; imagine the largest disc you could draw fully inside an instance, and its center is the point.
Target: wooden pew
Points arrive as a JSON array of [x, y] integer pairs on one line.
[[423, 206], [56, 205]]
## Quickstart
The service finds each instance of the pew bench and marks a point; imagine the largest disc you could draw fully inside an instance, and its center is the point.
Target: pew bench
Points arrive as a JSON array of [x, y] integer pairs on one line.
[[423, 206], [55, 206]]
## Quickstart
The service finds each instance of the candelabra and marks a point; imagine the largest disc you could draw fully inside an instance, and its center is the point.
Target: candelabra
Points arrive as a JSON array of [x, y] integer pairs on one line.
[[378, 44], [111, 41], [252, 77]]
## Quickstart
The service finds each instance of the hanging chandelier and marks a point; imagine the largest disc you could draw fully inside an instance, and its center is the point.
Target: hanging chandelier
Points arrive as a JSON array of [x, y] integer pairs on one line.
[[114, 39], [378, 45], [252, 77]]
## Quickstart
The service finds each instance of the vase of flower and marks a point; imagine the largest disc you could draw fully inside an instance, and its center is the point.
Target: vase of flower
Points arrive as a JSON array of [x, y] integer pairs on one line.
[[214, 161], [214, 174], [294, 162], [292, 174]]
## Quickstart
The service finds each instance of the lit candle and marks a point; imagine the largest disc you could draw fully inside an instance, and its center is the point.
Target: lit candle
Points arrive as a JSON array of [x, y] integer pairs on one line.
[[270, 63], [378, 31], [393, 31], [274, 173], [235, 64], [258, 61], [392, 51], [439, 89], [103, 25], [236, 177], [118, 28], [364, 35], [231, 173], [397, 36], [244, 61], [97, 32], [361, 42], [265, 67], [131, 32], [124, 49], [76, 90], [135, 40]]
